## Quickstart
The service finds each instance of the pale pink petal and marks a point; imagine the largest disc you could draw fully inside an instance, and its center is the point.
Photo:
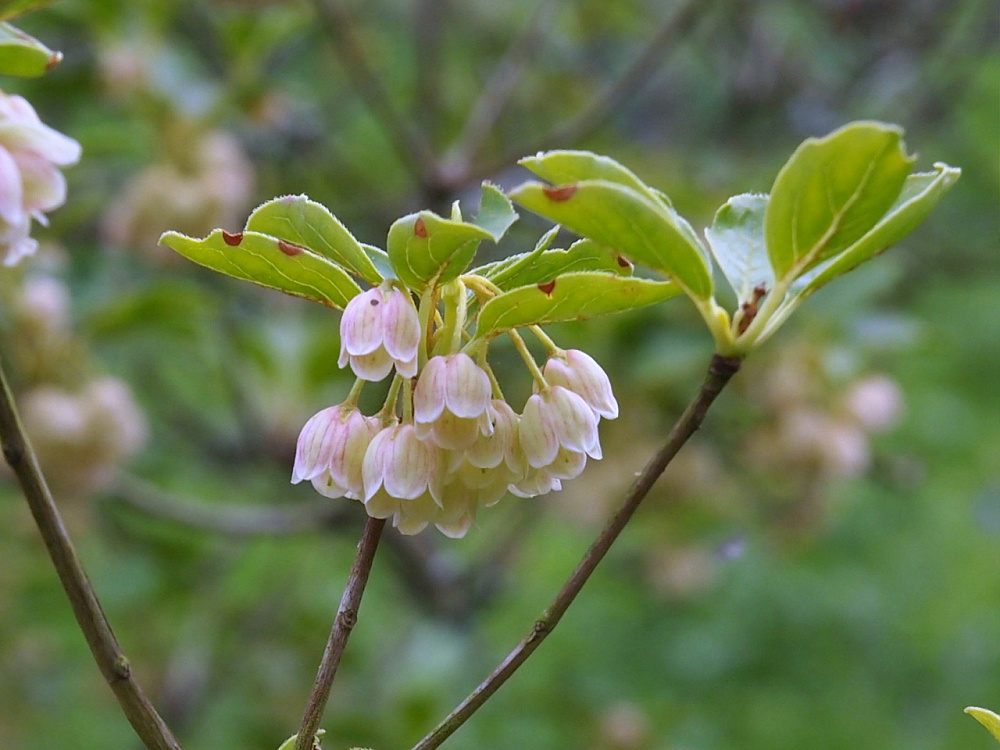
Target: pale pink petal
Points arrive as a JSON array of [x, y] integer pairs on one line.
[[372, 367], [315, 443], [325, 485], [568, 464], [467, 387], [574, 421], [537, 432], [19, 246], [381, 505], [409, 464], [429, 393], [44, 186], [361, 324], [537, 482], [594, 385], [373, 466], [11, 191], [349, 446], [402, 327]]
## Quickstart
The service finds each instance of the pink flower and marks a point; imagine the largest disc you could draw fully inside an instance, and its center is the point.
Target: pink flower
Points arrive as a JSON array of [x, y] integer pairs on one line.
[[331, 450], [379, 329], [450, 402], [400, 462], [30, 183], [555, 419], [578, 372]]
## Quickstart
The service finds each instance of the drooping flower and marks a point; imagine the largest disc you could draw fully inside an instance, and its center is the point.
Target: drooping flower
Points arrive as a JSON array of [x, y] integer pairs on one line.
[[379, 329], [580, 373], [450, 402], [331, 450], [30, 183], [400, 462], [557, 418]]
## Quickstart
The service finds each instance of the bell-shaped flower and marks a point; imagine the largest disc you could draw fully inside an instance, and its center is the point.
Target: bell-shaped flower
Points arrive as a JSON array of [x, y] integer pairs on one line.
[[331, 450], [554, 419], [399, 462], [450, 402], [579, 372], [536, 482], [379, 329], [409, 516], [30, 183]]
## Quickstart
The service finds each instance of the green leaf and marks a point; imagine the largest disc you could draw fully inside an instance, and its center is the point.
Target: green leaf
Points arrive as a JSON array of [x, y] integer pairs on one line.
[[987, 718], [539, 267], [12, 8], [302, 222], [269, 262], [514, 264], [380, 258], [574, 296], [831, 192], [23, 55], [423, 246], [568, 167], [736, 239], [496, 213], [641, 228], [920, 194]]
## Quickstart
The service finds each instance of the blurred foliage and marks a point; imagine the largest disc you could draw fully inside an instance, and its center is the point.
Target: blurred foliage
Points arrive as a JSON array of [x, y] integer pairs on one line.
[[799, 579]]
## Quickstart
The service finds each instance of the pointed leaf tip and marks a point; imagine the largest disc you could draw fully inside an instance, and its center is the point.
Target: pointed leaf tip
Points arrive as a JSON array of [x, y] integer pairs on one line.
[[987, 718]]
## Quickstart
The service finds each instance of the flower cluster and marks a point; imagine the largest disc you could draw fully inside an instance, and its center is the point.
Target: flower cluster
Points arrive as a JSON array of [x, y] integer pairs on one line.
[[446, 442], [30, 183]]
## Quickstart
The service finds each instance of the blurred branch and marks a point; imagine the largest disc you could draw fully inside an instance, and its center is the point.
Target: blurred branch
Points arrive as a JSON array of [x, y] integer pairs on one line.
[[427, 27], [229, 519], [680, 21], [104, 646], [497, 93], [409, 142], [720, 371], [343, 624]]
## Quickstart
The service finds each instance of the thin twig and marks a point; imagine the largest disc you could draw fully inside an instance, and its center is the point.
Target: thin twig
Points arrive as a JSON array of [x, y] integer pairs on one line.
[[408, 141], [683, 17], [229, 519], [720, 371], [343, 624], [498, 90], [115, 668]]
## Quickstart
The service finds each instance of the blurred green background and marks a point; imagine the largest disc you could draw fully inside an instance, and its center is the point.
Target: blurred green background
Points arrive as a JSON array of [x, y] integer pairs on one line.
[[820, 568]]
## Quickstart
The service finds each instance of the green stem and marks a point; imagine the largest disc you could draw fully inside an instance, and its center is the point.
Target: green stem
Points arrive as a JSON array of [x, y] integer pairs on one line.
[[720, 371], [522, 349], [388, 410], [104, 646], [547, 342]]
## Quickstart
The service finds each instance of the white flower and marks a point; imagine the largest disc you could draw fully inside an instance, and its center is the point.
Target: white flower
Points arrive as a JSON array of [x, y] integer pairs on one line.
[[578, 372], [554, 419], [379, 329], [450, 402], [30, 183], [400, 462], [331, 450]]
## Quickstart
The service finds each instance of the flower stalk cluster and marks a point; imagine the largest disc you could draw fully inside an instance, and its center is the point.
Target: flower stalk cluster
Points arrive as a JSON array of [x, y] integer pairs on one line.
[[446, 442]]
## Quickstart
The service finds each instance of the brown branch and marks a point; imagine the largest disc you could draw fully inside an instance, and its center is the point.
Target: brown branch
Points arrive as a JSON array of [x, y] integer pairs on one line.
[[343, 624], [720, 371], [115, 668], [409, 142]]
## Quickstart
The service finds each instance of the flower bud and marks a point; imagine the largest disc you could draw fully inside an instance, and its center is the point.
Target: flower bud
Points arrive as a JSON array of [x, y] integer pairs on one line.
[[578, 372], [557, 418], [450, 402], [331, 450], [379, 329]]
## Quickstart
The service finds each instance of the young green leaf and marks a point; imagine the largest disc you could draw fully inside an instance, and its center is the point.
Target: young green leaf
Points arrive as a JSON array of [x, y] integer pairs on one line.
[[568, 167], [269, 262], [537, 268], [736, 239], [11, 8], [302, 222], [831, 192], [573, 296], [987, 718], [23, 55], [496, 213], [920, 194], [380, 258], [639, 227], [514, 264], [423, 246]]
